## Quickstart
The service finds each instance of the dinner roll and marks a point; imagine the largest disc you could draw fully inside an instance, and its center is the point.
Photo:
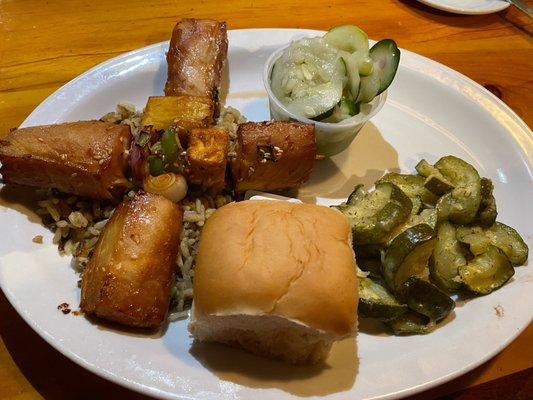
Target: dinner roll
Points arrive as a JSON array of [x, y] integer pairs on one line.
[[276, 279]]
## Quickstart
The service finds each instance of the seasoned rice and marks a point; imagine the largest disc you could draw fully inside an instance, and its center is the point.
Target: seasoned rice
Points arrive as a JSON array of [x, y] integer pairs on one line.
[[77, 223]]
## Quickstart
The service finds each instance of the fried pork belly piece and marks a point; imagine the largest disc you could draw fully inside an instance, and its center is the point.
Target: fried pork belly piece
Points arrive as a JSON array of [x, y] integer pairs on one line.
[[129, 277], [195, 58], [273, 155], [206, 156], [183, 111], [85, 158]]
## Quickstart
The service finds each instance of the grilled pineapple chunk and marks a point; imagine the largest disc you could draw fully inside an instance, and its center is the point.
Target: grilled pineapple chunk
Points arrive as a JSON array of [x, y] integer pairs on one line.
[[186, 112], [206, 155]]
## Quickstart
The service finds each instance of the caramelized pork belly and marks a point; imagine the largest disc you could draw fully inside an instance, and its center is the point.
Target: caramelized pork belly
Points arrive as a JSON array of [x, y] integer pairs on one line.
[[196, 55], [85, 158], [273, 155], [129, 277]]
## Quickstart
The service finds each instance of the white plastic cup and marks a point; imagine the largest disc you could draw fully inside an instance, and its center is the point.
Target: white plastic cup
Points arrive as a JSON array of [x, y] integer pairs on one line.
[[331, 137]]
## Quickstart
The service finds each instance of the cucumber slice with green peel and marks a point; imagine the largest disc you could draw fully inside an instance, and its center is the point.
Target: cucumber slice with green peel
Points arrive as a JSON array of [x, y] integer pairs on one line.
[[386, 57], [500, 235], [315, 100], [309, 77], [325, 115], [412, 323], [366, 66], [348, 107], [408, 255], [447, 257], [375, 301], [352, 72], [426, 299], [349, 38], [369, 88], [487, 272]]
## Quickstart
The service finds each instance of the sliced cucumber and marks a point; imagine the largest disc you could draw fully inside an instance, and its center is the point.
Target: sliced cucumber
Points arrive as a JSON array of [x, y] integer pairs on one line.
[[366, 66], [325, 115], [386, 58], [369, 88], [309, 77], [352, 72], [348, 107], [315, 100], [349, 38]]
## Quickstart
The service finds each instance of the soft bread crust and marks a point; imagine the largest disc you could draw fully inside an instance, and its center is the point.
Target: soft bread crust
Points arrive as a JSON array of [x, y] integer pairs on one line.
[[273, 258], [264, 335]]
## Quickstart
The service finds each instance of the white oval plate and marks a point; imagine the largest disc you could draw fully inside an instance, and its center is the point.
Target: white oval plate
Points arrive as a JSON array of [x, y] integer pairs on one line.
[[471, 7], [431, 111]]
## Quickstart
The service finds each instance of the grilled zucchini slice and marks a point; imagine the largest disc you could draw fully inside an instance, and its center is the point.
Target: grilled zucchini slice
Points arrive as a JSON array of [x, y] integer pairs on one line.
[[408, 255], [412, 323], [413, 187], [462, 203], [372, 215], [375, 301], [435, 182], [426, 299], [487, 272], [427, 216], [500, 235], [447, 257], [370, 265], [487, 213]]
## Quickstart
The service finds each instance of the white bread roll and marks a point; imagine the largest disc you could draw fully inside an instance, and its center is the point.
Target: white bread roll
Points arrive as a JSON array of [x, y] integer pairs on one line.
[[276, 279]]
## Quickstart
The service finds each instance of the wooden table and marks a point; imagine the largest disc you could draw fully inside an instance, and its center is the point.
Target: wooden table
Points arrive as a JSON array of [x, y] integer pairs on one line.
[[45, 44]]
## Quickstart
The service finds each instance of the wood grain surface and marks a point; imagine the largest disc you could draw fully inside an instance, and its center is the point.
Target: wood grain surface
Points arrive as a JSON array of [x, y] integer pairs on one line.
[[44, 44]]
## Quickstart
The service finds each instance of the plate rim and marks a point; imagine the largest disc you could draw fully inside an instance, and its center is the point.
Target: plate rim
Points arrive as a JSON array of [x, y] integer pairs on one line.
[[464, 11], [153, 391]]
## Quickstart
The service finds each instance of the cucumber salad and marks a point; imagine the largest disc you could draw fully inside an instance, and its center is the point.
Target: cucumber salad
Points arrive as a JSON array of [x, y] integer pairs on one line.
[[328, 78]]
